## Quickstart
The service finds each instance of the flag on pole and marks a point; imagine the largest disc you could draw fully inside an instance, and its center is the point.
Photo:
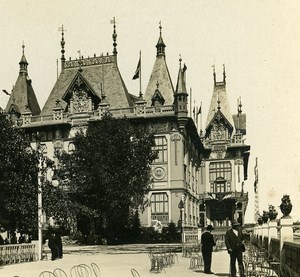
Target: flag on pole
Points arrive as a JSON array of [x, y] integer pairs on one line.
[[6, 92], [137, 71], [184, 68]]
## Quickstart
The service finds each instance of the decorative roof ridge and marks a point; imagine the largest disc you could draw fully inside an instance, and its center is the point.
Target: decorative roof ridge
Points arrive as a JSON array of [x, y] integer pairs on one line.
[[90, 61]]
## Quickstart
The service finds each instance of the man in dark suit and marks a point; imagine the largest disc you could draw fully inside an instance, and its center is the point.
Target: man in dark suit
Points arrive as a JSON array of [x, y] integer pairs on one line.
[[235, 248], [207, 242]]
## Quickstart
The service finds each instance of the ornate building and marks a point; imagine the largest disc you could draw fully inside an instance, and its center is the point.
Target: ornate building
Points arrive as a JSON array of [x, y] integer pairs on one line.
[[86, 88], [225, 162]]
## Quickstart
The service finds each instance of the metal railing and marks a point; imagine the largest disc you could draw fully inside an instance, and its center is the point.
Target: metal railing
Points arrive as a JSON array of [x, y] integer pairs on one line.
[[17, 253]]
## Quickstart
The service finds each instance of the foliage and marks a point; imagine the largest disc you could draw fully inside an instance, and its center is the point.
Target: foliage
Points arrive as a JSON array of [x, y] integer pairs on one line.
[[171, 233], [265, 216], [260, 220], [286, 205], [18, 180], [272, 212], [108, 172]]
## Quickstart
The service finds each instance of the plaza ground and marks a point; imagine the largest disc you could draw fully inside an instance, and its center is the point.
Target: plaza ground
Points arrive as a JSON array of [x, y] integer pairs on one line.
[[114, 261]]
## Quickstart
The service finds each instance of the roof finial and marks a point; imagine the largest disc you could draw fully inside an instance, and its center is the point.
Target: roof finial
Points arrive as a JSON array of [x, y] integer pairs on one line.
[[160, 46], [62, 44], [180, 60], [219, 106], [240, 105], [214, 73], [80, 60], [23, 63], [103, 96], [224, 74], [160, 27], [114, 36]]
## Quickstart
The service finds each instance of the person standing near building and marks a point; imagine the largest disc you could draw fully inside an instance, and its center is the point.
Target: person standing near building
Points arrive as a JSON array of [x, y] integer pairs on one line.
[[53, 245], [235, 248], [207, 244]]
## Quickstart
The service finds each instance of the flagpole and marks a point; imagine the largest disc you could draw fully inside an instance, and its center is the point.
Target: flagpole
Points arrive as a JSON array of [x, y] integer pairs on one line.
[[141, 74], [201, 117]]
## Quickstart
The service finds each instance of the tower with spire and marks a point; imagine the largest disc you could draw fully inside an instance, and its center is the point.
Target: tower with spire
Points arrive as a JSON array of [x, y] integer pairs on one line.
[[181, 96], [225, 163], [22, 100], [160, 75]]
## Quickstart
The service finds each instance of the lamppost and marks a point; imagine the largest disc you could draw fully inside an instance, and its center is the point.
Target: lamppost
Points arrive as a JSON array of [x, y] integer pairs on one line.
[[44, 165], [181, 208]]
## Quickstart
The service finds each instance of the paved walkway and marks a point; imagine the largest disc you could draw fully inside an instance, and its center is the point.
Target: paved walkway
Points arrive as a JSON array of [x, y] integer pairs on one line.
[[113, 263]]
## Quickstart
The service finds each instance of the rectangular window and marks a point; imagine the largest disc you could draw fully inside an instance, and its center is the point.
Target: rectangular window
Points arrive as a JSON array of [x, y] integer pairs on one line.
[[160, 207], [220, 169], [162, 149]]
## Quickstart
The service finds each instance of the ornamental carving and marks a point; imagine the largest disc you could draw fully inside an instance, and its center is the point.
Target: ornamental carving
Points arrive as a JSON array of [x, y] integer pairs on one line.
[[175, 137], [159, 127], [238, 162], [218, 131], [218, 151], [80, 101], [159, 173]]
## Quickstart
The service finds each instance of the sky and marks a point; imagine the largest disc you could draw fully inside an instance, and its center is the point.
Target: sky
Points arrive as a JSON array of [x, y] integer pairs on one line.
[[258, 41]]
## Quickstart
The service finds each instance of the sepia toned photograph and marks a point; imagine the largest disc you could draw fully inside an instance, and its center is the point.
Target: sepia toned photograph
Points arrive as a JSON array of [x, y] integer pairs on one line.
[[143, 138]]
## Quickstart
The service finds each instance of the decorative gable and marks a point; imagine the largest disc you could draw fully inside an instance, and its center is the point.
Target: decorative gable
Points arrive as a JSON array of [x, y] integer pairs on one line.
[[219, 129], [157, 98], [80, 96]]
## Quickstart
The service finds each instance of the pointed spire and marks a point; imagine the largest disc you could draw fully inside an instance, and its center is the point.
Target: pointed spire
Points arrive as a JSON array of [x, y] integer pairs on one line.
[[62, 44], [23, 62], [180, 87], [160, 46], [114, 36], [224, 74]]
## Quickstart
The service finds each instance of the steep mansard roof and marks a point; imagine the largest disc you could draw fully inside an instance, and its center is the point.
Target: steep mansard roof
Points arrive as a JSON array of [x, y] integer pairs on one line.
[[160, 76], [219, 95], [103, 76]]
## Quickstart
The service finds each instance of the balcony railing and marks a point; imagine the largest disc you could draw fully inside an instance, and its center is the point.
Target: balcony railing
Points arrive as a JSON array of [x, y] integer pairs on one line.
[[64, 117]]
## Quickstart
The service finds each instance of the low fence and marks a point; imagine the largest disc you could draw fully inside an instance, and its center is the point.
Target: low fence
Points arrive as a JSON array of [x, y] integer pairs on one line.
[[17, 253], [287, 253]]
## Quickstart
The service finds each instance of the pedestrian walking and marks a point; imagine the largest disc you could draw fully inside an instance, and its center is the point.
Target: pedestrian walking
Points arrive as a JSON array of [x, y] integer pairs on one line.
[[207, 244], [235, 248]]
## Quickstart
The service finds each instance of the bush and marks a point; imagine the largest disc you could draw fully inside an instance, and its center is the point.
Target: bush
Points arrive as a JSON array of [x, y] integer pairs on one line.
[[90, 240]]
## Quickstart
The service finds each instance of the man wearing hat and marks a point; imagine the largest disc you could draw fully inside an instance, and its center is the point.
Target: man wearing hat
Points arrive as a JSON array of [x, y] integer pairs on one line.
[[235, 248], [207, 242]]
